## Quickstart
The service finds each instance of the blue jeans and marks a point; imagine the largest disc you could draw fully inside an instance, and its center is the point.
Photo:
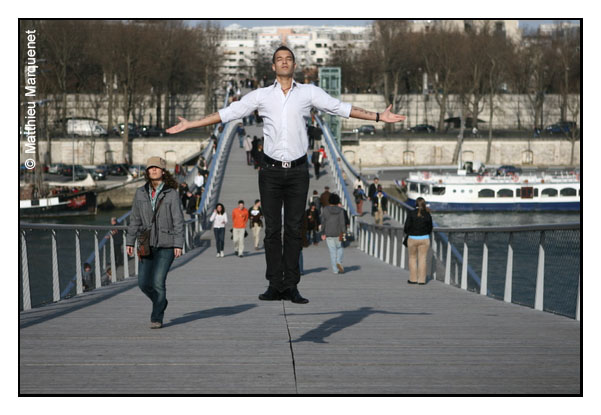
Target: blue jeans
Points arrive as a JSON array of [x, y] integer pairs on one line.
[[151, 279], [219, 238], [313, 236], [336, 252]]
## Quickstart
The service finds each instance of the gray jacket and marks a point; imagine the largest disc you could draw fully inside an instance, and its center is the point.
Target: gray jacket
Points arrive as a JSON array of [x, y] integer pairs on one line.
[[332, 221], [168, 230]]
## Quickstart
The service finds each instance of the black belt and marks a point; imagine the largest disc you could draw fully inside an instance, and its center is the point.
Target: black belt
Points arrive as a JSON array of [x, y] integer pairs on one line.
[[284, 164]]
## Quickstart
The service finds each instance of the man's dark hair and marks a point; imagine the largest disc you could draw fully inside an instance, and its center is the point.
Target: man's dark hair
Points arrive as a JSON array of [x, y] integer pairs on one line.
[[240, 201], [334, 199], [283, 48]]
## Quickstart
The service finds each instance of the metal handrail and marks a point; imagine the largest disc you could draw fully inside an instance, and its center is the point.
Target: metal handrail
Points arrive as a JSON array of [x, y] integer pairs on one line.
[[191, 228]]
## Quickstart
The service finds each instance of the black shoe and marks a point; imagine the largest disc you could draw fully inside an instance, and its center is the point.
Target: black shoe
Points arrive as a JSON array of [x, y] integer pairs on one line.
[[411, 282], [293, 295], [270, 295]]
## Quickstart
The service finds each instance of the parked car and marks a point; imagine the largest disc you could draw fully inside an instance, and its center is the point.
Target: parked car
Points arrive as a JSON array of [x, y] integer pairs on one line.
[[81, 127], [151, 131], [132, 132], [561, 127], [55, 168], [422, 128], [508, 170], [117, 169], [98, 173], [365, 129]]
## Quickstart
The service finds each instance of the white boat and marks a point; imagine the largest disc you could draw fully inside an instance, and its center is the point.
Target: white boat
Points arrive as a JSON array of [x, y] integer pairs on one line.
[[488, 192]]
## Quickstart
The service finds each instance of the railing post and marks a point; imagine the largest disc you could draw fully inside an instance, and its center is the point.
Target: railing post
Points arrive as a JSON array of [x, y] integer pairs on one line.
[[433, 257], [56, 296], [97, 280], [388, 246], [578, 298], [447, 271], [382, 246], [25, 273], [78, 281], [540, 275], [484, 282], [509, 270], [125, 257], [464, 265], [113, 262], [395, 248], [103, 268], [403, 254]]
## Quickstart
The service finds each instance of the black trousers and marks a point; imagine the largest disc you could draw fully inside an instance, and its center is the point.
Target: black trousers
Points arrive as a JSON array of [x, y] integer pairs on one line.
[[285, 188]]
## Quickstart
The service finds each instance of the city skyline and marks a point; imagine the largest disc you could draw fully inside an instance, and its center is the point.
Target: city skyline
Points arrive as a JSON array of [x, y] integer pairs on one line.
[[249, 23]]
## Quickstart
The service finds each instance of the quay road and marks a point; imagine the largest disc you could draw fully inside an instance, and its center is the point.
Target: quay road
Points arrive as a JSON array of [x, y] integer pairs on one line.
[[364, 332]]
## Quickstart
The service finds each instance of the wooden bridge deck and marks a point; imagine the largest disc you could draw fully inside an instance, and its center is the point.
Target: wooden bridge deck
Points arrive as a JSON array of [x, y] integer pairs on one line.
[[364, 332]]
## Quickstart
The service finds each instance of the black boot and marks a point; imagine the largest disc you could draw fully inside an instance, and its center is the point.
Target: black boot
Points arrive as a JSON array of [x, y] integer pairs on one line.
[[270, 295]]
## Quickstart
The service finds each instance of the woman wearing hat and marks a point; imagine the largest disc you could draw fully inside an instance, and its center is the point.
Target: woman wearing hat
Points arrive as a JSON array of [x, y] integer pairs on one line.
[[157, 207]]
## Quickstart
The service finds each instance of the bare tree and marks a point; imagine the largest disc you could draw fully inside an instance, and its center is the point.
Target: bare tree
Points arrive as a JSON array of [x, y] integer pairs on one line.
[[440, 49]]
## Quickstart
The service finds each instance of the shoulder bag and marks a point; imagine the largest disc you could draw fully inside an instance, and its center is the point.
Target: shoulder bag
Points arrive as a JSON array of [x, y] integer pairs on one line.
[[144, 237]]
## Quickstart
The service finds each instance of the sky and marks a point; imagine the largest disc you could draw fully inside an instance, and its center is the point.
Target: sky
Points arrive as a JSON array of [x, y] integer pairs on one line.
[[529, 24]]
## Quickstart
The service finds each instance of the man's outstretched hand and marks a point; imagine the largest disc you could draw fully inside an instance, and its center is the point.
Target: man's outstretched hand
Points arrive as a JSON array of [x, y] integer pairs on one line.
[[388, 116], [179, 127]]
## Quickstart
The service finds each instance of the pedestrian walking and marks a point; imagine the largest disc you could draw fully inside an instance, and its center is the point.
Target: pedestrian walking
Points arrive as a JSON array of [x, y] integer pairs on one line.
[[248, 146], [359, 194], [239, 221], [325, 197], [316, 200], [316, 164], [256, 222], [199, 182], [379, 206], [240, 131], [156, 214], [418, 228], [313, 224], [284, 176], [219, 219], [333, 228], [373, 189]]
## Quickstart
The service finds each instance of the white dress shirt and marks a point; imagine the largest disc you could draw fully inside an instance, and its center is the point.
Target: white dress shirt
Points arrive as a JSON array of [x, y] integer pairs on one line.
[[284, 127]]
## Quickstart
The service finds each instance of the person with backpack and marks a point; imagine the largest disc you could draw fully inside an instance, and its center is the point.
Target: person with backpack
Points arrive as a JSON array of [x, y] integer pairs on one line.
[[359, 194]]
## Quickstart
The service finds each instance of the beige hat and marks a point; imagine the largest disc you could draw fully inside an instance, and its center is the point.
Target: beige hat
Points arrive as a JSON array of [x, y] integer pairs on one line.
[[156, 162]]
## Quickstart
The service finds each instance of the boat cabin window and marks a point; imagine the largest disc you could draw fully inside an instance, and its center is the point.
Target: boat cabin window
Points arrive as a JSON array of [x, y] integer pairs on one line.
[[568, 191], [505, 193], [438, 190], [424, 189], [486, 193], [549, 193], [525, 192], [413, 187]]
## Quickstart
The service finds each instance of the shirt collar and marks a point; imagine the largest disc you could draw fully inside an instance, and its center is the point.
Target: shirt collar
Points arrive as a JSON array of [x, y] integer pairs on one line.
[[276, 84]]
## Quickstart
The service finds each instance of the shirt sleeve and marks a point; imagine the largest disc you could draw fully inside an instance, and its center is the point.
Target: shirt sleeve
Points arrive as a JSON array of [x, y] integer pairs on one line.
[[239, 109], [324, 102]]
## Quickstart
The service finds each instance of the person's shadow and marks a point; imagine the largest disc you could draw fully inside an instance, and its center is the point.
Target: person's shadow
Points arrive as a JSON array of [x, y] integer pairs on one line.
[[213, 312], [344, 320]]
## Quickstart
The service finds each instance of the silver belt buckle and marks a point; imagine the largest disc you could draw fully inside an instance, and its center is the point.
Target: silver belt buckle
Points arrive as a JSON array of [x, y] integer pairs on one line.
[[286, 164]]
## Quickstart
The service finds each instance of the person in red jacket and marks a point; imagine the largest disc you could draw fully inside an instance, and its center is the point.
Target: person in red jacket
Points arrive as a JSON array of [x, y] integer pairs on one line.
[[239, 219]]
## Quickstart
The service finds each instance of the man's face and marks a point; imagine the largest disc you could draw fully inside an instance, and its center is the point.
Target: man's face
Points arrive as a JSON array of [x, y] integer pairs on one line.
[[284, 63], [240, 206]]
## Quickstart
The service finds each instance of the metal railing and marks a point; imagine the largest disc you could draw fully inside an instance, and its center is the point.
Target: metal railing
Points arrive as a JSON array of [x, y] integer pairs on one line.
[[193, 229], [508, 263]]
